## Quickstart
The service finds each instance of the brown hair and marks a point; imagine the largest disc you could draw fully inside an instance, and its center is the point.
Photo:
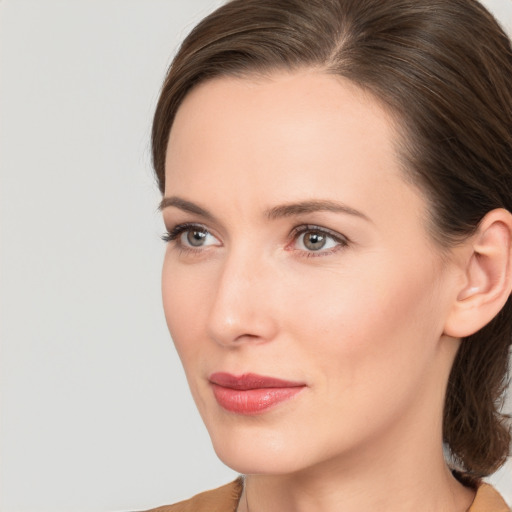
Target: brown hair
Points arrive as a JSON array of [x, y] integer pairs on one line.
[[444, 68]]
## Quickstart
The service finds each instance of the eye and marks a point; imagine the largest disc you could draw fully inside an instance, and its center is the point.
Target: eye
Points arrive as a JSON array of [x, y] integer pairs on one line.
[[192, 236], [313, 239]]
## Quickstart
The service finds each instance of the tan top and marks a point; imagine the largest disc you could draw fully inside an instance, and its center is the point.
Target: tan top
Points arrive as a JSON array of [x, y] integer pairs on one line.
[[225, 499]]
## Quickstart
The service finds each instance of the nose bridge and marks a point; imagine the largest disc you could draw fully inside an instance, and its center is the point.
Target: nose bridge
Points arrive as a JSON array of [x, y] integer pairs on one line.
[[241, 309]]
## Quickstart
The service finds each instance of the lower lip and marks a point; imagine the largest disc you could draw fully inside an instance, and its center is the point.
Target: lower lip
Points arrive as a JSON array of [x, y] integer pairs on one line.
[[252, 401]]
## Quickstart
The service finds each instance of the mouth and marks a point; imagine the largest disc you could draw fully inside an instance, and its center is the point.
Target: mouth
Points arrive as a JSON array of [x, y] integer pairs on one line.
[[250, 393]]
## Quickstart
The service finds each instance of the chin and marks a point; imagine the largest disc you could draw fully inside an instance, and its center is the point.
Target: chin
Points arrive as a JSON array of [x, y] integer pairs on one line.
[[257, 451], [252, 462]]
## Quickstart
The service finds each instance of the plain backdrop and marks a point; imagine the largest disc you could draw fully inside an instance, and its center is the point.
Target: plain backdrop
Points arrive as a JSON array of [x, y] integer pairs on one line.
[[95, 410]]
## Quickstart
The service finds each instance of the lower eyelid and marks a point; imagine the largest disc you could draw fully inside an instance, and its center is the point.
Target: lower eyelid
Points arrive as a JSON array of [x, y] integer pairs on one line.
[[319, 254]]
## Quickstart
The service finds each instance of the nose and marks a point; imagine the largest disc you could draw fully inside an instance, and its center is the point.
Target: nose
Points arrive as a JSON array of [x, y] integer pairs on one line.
[[242, 309]]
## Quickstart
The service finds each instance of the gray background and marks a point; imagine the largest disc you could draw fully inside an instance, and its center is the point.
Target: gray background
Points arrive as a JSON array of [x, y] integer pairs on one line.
[[95, 412]]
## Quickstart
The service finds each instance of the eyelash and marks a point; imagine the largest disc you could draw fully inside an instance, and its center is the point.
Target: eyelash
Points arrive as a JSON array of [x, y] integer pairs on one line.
[[341, 241], [174, 234]]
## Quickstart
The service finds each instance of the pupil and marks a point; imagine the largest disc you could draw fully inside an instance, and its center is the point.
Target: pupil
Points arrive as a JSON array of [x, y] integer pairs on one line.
[[196, 238], [314, 241]]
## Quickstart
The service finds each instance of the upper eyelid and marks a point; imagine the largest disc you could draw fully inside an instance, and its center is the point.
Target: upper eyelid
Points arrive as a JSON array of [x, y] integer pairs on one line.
[[304, 228], [171, 225], [172, 233], [173, 215], [183, 226]]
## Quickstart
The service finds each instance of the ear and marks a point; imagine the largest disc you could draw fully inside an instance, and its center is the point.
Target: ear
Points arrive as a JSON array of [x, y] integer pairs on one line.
[[488, 276]]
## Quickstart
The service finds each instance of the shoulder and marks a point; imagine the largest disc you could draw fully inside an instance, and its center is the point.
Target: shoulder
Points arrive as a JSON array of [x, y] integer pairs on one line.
[[223, 499], [488, 499]]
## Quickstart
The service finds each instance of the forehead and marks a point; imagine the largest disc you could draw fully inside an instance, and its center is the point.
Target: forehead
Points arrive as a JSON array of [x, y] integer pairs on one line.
[[282, 111], [308, 101], [283, 137]]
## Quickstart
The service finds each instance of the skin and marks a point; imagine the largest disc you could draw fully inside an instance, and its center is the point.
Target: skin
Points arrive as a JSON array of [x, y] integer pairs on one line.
[[361, 322]]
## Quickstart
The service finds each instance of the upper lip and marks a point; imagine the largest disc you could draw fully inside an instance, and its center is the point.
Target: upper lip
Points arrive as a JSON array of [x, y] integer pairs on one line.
[[250, 381]]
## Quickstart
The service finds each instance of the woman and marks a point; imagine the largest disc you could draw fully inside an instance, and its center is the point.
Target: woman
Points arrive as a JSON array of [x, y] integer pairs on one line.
[[337, 188]]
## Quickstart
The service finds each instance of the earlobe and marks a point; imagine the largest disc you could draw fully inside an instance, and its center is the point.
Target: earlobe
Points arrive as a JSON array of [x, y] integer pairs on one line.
[[488, 276]]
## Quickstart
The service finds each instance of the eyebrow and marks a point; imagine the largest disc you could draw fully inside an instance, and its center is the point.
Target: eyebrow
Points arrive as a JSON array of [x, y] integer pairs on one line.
[[277, 212], [292, 209], [186, 206]]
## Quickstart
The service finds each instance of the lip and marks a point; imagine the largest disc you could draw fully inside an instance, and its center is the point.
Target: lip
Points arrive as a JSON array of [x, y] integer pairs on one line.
[[251, 393]]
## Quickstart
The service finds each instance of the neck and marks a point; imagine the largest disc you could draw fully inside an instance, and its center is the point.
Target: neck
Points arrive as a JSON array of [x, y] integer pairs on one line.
[[359, 487]]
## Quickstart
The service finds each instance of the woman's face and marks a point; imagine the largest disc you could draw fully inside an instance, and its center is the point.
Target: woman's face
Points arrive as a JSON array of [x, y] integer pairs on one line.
[[299, 253]]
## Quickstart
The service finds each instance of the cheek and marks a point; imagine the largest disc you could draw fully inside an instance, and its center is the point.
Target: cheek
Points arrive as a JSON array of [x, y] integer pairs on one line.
[[380, 315], [184, 295]]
